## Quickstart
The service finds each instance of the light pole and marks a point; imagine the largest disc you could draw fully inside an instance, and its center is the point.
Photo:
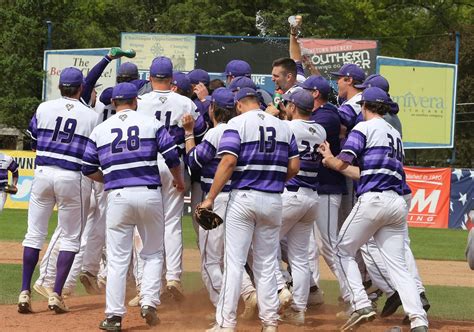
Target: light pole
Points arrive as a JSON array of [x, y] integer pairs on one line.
[[50, 29]]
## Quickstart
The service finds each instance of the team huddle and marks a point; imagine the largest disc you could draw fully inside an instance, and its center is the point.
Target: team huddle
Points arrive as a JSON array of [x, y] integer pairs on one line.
[[291, 179]]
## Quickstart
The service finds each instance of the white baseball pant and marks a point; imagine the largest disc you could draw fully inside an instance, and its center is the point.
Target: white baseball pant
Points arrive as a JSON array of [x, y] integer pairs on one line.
[[253, 217], [54, 185], [383, 216], [298, 214], [3, 199], [127, 208], [173, 205]]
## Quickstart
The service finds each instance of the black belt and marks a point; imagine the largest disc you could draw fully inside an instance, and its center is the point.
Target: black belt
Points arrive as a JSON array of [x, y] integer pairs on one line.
[[296, 188], [154, 187]]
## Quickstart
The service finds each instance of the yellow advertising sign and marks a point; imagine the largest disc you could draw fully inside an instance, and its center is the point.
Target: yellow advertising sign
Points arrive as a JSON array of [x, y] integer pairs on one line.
[[426, 94], [179, 48], [26, 163]]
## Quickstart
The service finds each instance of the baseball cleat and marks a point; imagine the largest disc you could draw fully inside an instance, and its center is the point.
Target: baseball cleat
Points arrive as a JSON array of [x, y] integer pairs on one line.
[[293, 317], [89, 281], [250, 310], [316, 297], [149, 314], [395, 329], [176, 289], [135, 302], [217, 328], [269, 328], [286, 298], [24, 303], [56, 303], [41, 290], [359, 317], [346, 312], [420, 329], [391, 305], [113, 323]]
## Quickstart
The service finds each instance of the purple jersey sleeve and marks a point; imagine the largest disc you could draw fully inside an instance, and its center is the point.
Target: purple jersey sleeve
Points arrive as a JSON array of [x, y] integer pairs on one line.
[[13, 167], [90, 158], [353, 147], [299, 68], [293, 152], [167, 147], [32, 130], [200, 127], [200, 155], [348, 116], [92, 78], [230, 143]]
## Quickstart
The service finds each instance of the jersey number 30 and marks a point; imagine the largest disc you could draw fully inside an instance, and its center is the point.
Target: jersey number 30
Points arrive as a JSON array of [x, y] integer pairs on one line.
[[395, 151]]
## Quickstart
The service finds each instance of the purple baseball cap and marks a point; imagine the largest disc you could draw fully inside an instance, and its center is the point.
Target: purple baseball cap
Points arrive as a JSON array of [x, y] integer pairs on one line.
[[242, 82], [197, 76], [243, 93], [374, 80], [223, 97], [350, 70], [124, 91], [182, 81], [301, 98], [128, 69], [317, 82], [161, 67], [238, 68], [71, 76], [375, 95]]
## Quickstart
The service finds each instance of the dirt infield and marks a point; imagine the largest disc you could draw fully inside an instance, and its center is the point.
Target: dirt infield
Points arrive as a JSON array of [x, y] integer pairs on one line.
[[445, 273], [194, 314]]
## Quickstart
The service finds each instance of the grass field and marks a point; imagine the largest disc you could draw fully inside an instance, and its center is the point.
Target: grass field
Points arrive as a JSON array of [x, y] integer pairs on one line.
[[447, 302], [438, 244]]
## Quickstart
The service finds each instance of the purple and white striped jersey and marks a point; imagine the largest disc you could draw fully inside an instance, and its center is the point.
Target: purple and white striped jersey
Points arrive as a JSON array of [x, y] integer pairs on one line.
[[60, 129], [125, 147], [204, 157], [7, 163], [379, 151], [349, 110], [263, 145], [169, 108], [309, 135]]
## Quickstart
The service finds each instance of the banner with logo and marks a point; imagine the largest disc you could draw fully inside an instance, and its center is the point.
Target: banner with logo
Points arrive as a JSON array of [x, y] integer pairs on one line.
[[430, 196], [26, 163], [84, 59], [330, 54], [426, 94]]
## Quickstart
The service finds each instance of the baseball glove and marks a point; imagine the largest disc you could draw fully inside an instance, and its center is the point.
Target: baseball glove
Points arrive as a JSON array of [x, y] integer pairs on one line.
[[207, 219], [9, 189]]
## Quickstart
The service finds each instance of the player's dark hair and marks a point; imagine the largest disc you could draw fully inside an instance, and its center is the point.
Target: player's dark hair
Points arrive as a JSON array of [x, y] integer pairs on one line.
[[120, 102], [303, 112], [215, 84], [375, 107], [69, 91], [223, 115], [121, 79], [288, 65]]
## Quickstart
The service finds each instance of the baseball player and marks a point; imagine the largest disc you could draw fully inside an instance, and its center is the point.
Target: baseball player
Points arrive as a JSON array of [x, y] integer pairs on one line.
[[373, 259], [125, 147], [300, 200], [203, 157], [169, 107], [380, 210], [260, 153], [7, 163], [59, 130], [331, 186]]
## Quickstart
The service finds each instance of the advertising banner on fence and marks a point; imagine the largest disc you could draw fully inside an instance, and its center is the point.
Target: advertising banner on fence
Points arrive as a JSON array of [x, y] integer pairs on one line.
[[26, 163], [84, 59], [426, 94], [330, 54], [179, 48], [430, 196]]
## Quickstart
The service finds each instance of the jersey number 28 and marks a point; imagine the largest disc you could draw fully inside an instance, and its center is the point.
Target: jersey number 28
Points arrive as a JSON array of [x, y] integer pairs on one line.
[[133, 141]]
